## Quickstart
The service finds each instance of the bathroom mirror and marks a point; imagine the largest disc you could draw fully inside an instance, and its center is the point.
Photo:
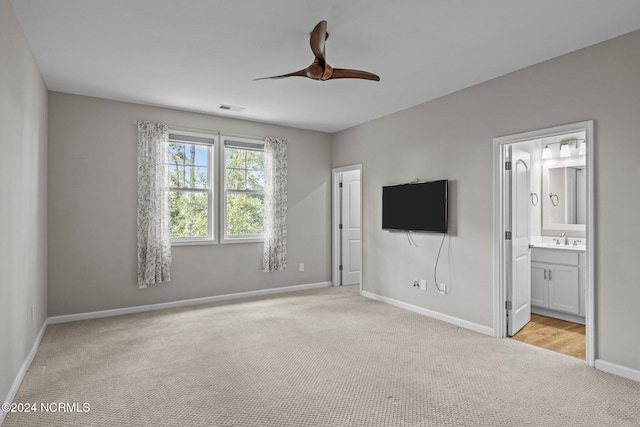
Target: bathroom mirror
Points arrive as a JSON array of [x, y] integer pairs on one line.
[[564, 195]]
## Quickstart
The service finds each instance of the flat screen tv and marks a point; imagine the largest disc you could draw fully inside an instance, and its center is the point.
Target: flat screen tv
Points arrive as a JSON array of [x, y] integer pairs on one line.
[[415, 207]]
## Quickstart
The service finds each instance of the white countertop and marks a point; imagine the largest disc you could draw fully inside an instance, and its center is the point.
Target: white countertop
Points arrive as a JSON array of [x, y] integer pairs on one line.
[[548, 242]]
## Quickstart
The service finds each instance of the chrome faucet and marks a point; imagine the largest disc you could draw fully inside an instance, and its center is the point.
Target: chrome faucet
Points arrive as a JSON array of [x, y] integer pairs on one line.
[[566, 239]]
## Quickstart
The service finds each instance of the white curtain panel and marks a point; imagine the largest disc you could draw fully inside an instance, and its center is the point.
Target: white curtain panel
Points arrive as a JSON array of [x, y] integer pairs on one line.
[[154, 240], [275, 205]]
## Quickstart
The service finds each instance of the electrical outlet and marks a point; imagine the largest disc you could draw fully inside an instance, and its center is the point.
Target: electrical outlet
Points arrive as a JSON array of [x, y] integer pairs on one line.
[[301, 267], [443, 288], [423, 284]]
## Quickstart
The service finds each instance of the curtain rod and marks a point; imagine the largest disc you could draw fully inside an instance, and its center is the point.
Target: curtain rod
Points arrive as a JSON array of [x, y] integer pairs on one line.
[[210, 131], [182, 128]]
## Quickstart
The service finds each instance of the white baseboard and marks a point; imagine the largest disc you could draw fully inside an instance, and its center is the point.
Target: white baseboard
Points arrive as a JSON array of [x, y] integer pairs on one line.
[[23, 370], [139, 309], [599, 364], [621, 371], [436, 315], [558, 315], [182, 303]]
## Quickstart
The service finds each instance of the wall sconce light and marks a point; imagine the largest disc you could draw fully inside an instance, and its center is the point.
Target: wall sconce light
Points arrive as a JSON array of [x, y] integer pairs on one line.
[[565, 150]]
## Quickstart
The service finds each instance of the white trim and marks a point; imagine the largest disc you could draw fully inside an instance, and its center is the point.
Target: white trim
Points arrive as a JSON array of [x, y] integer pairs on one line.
[[558, 315], [182, 303], [621, 371], [500, 268], [552, 164], [211, 191], [335, 220], [251, 144], [590, 242], [176, 243], [602, 365], [23, 370], [430, 313], [232, 135], [232, 240], [191, 137], [500, 282], [137, 309]]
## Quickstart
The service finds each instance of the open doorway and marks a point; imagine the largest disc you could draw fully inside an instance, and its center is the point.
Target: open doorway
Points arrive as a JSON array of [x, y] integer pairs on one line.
[[347, 226], [543, 232]]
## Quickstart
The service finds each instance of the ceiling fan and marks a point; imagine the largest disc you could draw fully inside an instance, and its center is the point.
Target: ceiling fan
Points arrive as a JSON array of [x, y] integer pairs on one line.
[[320, 70]]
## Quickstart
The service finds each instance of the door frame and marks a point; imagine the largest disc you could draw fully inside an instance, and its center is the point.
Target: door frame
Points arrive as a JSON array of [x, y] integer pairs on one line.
[[512, 217], [335, 221], [500, 227]]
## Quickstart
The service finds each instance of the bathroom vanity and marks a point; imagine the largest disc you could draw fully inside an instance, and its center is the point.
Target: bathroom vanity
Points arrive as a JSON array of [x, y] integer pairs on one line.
[[558, 266], [558, 281]]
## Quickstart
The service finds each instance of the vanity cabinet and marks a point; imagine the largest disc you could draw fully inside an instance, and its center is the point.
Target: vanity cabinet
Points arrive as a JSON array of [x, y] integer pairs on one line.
[[555, 287], [555, 281]]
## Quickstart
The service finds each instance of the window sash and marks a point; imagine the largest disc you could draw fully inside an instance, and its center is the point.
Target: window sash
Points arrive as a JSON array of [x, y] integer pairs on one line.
[[211, 179], [189, 190], [245, 191], [209, 231], [216, 190], [246, 145], [183, 167]]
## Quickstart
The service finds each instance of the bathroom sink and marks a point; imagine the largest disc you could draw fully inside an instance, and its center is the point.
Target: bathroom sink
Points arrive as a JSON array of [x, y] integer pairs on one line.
[[559, 247]]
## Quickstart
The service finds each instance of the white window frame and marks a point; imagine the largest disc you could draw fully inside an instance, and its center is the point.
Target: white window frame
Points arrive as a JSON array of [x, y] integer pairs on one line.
[[244, 143], [213, 141]]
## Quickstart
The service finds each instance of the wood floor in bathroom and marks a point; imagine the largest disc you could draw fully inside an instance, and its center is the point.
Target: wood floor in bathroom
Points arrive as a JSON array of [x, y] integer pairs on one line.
[[554, 334]]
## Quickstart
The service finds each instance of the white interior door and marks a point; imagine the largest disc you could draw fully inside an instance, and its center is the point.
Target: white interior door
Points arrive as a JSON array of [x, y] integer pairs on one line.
[[351, 247], [520, 274]]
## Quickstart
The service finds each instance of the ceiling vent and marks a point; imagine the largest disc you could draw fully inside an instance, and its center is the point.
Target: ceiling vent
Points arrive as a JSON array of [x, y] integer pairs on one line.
[[230, 108]]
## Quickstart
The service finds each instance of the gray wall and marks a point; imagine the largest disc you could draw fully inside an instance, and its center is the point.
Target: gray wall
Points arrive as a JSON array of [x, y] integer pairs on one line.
[[451, 138], [91, 193], [23, 198], [92, 211]]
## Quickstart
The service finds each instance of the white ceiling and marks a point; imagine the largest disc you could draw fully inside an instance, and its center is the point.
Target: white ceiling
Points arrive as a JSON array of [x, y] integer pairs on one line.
[[197, 54]]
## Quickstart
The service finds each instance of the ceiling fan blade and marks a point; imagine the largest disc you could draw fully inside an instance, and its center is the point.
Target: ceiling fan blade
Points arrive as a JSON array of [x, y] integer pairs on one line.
[[318, 37], [343, 73], [302, 73], [319, 69]]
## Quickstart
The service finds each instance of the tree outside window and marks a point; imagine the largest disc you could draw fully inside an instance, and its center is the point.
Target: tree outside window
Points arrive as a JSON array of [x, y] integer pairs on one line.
[[190, 189], [193, 196], [244, 183]]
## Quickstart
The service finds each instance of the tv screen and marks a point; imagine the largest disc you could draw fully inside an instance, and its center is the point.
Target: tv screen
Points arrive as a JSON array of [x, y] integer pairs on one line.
[[415, 207]]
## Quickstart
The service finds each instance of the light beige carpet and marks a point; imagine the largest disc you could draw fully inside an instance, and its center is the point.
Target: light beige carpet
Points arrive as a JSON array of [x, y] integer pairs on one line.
[[325, 357]]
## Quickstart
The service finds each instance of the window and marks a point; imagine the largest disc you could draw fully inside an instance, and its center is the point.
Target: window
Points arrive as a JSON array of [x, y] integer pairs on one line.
[[243, 206], [190, 160], [197, 209]]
